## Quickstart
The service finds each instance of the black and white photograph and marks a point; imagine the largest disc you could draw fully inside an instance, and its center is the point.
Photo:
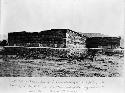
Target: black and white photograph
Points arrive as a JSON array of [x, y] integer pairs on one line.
[[61, 53], [62, 39]]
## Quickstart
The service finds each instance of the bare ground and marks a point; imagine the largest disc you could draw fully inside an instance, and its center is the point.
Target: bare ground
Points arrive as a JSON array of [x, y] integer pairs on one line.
[[101, 66]]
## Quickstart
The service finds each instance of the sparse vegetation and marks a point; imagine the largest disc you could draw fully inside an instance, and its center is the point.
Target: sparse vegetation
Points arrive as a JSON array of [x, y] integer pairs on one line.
[[102, 65]]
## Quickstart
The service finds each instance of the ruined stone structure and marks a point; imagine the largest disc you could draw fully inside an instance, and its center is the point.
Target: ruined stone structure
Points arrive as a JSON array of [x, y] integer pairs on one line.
[[103, 42], [59, 42], [55, 38]]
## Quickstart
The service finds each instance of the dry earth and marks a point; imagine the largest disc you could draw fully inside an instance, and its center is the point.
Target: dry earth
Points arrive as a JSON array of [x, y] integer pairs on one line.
[[101, 66]]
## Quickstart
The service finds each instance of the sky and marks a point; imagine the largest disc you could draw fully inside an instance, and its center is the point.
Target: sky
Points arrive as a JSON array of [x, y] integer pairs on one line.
[[86, 16]]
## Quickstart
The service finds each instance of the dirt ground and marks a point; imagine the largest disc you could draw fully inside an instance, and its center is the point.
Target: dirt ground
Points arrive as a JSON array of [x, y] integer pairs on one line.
[[100, 66]]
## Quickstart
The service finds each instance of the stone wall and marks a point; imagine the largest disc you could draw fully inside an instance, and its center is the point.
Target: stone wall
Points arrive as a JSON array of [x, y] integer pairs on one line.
[[75, 40], [76, 44], [49, 38]]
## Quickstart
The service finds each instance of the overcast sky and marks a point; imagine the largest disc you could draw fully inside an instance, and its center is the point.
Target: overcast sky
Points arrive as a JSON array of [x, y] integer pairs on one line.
[[96, 16]]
